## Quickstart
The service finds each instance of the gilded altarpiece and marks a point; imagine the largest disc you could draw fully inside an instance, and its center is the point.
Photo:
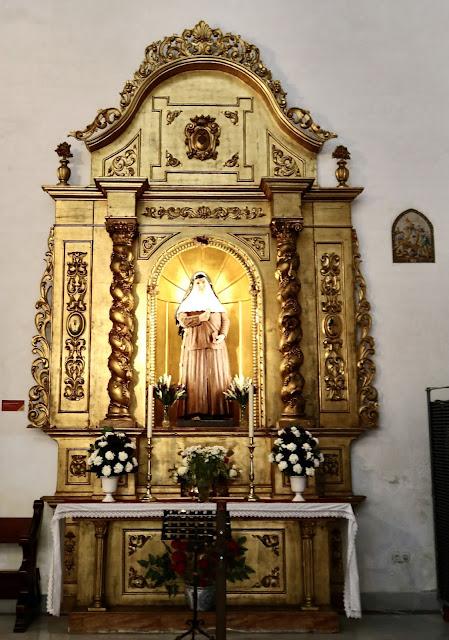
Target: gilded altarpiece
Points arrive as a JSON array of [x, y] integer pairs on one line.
[[203, 166]]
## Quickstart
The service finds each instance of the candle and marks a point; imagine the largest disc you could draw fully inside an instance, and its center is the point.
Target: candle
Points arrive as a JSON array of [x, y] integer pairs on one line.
[[150, 411], [251, 411]]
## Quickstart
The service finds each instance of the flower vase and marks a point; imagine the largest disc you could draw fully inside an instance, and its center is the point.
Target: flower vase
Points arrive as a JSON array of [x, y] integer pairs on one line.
[[243, 416], [205, 597], [109, 485], [165, 418], [298, 484], [204, 492]]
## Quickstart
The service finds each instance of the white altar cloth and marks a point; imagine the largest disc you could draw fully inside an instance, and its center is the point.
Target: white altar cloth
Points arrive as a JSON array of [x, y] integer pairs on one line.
[[260, 510]]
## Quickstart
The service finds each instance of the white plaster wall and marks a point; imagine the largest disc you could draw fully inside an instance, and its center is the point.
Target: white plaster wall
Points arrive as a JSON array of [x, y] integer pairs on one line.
[[376, 73]]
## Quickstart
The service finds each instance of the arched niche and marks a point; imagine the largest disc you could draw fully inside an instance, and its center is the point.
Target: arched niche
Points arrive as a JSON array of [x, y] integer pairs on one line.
[[237, 284]]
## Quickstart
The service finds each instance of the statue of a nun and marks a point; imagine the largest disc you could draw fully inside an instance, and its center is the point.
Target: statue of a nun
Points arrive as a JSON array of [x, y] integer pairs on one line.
[[204, 364]]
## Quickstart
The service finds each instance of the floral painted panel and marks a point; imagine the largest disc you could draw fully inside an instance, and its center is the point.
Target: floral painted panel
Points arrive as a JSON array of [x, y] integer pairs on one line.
[[412, 235]]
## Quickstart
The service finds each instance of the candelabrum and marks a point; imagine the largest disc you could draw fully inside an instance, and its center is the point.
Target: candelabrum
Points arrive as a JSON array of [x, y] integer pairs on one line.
[[251, 497], [148, 497]]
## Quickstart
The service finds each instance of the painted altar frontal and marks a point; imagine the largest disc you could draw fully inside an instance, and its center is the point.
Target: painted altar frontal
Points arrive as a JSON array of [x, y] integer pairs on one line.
[[203, 168]]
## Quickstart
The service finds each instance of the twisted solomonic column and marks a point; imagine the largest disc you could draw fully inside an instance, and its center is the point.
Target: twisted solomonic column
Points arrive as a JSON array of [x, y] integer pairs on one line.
[[121, 314], [285, 231]]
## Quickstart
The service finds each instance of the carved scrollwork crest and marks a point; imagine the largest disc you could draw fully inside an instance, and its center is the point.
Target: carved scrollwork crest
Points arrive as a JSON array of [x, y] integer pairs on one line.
[[202, 40], [202, 137]]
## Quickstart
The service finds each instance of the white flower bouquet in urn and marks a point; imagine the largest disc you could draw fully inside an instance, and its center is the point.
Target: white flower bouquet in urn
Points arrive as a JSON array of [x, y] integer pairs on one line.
[[295, 452], [112, 455]]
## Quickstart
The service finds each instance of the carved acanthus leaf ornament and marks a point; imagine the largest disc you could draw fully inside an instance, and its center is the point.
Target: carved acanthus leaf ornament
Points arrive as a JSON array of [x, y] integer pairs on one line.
[[366, 369], [204, 213], [204, 41], [38, 411], [286, 166]]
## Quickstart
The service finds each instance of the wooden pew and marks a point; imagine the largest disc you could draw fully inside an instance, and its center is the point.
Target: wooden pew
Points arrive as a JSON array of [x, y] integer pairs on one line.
[[23, 584]]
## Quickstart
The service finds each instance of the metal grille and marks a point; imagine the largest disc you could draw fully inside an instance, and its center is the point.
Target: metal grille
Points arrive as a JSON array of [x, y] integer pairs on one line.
[[439, 445]]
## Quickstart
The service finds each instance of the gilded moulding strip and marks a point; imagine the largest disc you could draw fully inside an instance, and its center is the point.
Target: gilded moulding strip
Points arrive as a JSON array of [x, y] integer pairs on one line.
[[366, 369], [38, 410], [258, 356], [202, 41]]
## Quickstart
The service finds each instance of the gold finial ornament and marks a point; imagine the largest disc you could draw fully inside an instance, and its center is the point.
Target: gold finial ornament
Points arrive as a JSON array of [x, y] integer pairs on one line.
[[64, 172], [341, 154]]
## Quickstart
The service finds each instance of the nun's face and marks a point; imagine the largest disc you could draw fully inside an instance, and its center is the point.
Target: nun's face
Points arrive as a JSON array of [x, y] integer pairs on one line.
[[199, 284]]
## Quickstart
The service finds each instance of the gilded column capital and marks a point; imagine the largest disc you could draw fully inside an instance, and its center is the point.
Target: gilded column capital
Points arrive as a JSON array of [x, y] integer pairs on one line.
[[122, 230], [283, 229]]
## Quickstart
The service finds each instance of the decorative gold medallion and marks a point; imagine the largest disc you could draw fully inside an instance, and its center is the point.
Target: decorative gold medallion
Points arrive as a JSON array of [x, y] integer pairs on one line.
[[202, 138]]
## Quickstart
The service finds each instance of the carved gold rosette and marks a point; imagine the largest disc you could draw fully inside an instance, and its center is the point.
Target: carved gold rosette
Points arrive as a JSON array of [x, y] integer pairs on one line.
[[285, 231], [122, 232], [38, 411], [366, 369], [202, 41], [334, 364]]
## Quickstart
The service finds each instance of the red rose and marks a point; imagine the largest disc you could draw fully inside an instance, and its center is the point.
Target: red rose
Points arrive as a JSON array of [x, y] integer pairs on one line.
[[203, 563], [179, 568], [233, 547], [178, 556], [180, 545]]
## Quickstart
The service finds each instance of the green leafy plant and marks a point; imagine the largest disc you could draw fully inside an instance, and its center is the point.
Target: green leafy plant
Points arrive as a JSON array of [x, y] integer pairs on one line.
[[175, 565]]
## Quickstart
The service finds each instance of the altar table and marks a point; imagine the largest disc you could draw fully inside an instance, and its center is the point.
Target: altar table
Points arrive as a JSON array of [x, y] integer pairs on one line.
[[260, 510]]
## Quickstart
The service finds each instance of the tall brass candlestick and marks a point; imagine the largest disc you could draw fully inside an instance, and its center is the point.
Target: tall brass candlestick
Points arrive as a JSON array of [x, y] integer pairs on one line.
[[251, 497], [148, 497]]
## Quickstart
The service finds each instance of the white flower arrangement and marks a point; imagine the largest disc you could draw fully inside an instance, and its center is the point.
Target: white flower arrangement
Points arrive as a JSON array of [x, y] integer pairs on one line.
[[205, 464], [167, 392], [296, 452], [238, 390], [112, 454]]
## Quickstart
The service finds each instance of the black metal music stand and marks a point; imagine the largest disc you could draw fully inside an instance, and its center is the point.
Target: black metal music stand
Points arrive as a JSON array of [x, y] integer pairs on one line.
[[202, 529]]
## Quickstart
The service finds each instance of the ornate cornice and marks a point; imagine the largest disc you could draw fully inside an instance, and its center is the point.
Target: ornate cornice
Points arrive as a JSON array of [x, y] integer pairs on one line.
[[202, 41]]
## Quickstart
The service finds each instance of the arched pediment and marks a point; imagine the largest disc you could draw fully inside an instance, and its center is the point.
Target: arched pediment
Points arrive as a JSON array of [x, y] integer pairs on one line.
[[202, 48]]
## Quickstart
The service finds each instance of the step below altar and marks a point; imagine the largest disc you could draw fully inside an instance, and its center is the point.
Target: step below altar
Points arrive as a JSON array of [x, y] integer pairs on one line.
[[302, 560]]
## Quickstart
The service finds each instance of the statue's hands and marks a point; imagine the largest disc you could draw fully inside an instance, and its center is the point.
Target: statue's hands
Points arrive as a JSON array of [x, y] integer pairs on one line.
[[204, 317], [219, 338]]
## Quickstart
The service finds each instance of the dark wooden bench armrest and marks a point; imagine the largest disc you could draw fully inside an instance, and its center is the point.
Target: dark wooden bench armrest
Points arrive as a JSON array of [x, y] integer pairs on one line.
[[23, 584]]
